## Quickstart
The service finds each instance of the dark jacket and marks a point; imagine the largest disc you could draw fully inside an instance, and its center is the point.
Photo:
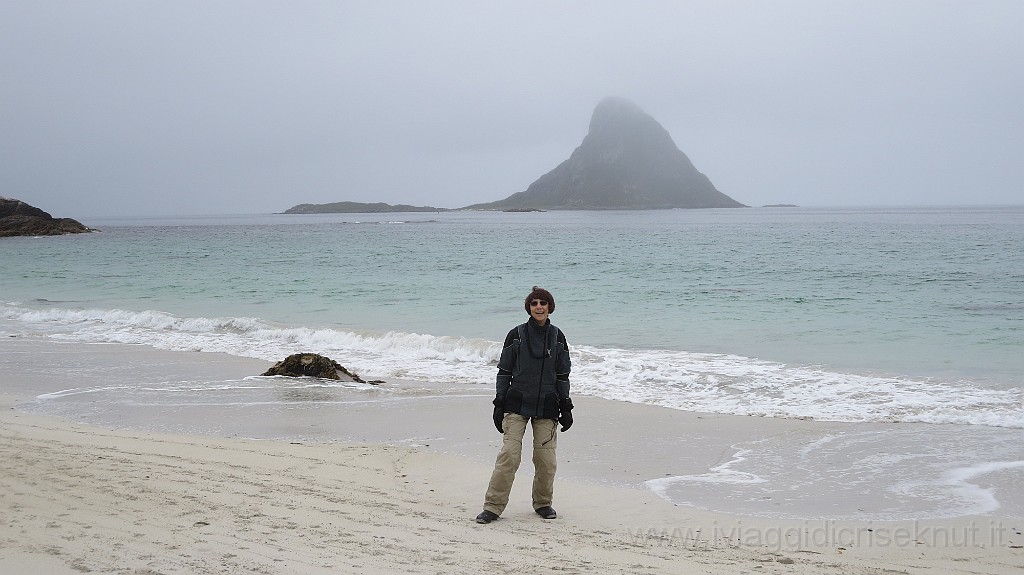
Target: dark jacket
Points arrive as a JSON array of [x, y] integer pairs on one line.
[[533, 371]]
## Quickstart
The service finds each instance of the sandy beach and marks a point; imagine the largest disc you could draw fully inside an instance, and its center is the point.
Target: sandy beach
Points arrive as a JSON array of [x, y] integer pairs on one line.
[[110, 499]]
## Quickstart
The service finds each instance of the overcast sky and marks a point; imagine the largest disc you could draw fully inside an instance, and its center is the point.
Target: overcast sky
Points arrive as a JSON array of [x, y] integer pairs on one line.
[[217, 107]]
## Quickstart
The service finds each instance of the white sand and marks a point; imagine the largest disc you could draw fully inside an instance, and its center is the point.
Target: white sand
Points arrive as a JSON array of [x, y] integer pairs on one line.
[[77, 498]]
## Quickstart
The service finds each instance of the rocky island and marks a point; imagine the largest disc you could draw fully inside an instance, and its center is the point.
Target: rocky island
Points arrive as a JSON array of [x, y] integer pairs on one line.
[[358, 208], [20, 219], [627, 161]]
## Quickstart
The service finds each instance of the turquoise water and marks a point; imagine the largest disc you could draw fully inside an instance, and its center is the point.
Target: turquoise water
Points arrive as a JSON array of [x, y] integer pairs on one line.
[[887, 314]]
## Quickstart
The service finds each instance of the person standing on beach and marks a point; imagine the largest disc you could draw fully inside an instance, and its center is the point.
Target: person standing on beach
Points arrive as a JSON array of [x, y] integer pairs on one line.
[[532, 387]]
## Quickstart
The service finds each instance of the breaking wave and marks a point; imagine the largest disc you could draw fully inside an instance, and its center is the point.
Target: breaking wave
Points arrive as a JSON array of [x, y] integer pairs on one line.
[[702, 382]]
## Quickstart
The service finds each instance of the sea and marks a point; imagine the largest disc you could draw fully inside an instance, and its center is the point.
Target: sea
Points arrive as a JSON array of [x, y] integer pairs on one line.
[[874, 314]]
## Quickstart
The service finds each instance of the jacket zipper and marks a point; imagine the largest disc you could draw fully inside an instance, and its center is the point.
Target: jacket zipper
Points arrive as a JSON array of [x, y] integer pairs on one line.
[[540, 385]]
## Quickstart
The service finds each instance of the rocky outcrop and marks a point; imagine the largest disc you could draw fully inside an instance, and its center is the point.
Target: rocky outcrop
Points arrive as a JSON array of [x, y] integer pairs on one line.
[[20, 219], [313, 365], [626, 161]]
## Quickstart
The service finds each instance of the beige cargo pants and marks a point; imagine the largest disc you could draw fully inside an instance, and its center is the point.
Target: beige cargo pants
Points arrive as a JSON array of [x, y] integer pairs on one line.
[[545, 440]]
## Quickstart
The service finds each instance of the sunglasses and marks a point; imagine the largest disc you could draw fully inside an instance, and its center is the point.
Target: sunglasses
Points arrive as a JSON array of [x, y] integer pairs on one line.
[[538, 302]]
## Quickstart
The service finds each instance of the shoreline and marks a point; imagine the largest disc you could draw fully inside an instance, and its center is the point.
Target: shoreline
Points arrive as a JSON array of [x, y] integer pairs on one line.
[[870, 389], [80, 496], [790, 469]]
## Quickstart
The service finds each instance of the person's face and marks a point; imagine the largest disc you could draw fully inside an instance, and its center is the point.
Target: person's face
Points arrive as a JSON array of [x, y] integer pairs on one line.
[[539, 310]]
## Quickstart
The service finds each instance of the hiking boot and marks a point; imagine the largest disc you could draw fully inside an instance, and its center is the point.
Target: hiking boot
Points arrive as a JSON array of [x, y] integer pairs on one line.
[[486, 516], [547, 512]]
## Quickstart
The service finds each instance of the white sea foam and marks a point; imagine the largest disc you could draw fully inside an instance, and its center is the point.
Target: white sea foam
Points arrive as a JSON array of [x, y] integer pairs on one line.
[[958, 487], [959, 482], [723, 473], [79, 390], [889, 475], [676, 379]]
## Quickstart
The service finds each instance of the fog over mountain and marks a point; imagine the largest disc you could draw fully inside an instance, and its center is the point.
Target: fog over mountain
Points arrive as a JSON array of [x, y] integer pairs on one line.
[[626, 161]]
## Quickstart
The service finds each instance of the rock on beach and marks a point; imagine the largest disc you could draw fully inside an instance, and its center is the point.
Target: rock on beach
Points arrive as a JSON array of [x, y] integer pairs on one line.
[[313, 365]]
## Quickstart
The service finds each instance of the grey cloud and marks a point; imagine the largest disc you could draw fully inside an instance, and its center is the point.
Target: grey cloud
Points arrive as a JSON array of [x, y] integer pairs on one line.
[[197, 107]]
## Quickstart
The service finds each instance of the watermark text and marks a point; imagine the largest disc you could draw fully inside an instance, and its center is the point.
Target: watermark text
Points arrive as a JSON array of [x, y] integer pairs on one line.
[[809, 535]]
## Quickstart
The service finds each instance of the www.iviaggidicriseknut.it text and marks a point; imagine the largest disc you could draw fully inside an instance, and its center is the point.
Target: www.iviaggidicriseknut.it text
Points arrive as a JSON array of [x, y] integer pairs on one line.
[[809, 535]]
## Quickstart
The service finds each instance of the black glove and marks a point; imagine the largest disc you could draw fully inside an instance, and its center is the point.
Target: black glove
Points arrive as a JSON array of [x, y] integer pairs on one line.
[[565, 414], [499, 413]]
